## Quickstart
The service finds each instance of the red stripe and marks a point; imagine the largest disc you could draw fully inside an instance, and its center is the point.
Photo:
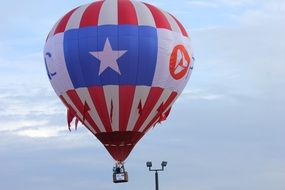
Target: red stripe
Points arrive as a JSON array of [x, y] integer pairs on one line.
[[126, 13], [153, 96], [126, 97], [62, 24], [159, 18], [70, 108], [98, 98], [170, 99], [90, 16], [184, 32], [67, 105], [72, 94]]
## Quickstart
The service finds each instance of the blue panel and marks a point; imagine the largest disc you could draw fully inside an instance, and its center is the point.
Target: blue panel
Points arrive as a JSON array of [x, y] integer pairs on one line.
[[109, 76], [129, 40], [88, 42], [72, 60], [148, 50], [137, 65]]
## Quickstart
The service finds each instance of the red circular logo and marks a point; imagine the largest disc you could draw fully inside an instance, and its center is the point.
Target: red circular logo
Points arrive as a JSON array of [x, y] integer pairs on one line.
[[179, 62]]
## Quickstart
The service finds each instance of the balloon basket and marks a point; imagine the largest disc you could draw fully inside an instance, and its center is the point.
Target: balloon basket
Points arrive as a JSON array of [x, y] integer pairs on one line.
[[120, 175]]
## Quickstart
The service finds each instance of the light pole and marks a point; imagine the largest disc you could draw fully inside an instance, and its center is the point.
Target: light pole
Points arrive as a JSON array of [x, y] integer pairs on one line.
[[163, 165]]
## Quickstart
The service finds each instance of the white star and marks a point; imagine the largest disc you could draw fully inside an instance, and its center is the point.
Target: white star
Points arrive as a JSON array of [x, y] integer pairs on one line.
[[108, 57]]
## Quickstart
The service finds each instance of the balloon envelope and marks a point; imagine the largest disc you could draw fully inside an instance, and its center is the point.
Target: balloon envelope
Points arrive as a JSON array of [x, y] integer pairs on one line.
[[118, 66]]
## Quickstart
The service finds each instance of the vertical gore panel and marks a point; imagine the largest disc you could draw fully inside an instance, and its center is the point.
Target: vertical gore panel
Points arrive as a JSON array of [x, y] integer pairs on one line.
[[184, 32], [80, 106], [126, 96], [127, 13], [98, 98], [62, 24], [159, 18], [91, 15], [169, 101], [151, 101]]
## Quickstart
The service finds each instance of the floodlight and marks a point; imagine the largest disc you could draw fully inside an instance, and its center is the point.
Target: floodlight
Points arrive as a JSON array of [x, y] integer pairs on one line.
[[163, 164], [149, 164]]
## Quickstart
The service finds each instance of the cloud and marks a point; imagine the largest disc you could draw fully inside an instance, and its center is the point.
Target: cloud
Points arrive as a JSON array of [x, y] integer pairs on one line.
[[238, 2], [221, 3], [240, 61], [38, 101], [199, 4], [269, 13], [22, 68], [199, 94], [20, 124], [34, 113], [42, 132]]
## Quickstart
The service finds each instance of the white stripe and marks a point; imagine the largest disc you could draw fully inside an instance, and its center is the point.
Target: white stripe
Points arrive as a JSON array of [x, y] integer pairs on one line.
[[144, 15], [164, 96], [61, 81], [172, 22], [86, 123], [112, 95], [167, 40], [75, 19], [108, 13], [141, 94], [84, 95]]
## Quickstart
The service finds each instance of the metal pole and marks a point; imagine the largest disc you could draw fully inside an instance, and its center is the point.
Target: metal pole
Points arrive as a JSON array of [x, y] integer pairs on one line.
[[156, 180]]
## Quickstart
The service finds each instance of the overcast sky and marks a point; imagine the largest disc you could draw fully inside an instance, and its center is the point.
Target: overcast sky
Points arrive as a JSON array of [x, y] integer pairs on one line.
[[225, 132]]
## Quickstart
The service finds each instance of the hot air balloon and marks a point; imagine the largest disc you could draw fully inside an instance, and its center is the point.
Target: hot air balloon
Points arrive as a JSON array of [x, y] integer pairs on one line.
[[118, 66]]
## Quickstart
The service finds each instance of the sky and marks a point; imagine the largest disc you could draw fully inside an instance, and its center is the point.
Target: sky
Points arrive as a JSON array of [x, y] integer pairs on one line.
[[226, 131]]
